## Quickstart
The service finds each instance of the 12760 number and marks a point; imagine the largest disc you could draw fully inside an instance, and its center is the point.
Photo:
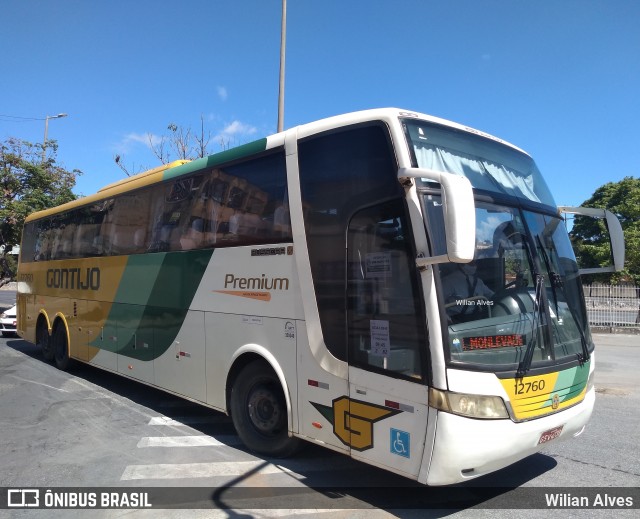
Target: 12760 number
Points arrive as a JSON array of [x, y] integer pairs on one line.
[[522, 388]]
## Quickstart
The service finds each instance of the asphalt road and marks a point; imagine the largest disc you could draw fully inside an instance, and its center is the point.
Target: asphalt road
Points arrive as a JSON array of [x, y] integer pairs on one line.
[[90, 428]]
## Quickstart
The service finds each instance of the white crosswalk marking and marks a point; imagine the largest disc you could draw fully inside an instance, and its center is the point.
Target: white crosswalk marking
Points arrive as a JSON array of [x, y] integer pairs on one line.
[[241, 473], [250, 471], [187, 441], [188, 420], [232, 469], [199, 470]]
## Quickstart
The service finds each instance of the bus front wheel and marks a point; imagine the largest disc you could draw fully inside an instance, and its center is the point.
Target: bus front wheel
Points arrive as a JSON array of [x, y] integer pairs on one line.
[[259, 411], [60, 347]]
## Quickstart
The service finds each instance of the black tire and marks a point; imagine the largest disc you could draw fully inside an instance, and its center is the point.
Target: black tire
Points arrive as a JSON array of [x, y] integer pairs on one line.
[[60, 346], [44, 341], [259, 412]]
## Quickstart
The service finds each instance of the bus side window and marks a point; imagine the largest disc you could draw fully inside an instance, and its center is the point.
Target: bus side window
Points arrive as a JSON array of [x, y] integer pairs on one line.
[[385, 327], [57, 231], [32, 242], [435, 223], [248, 203], [193, 232], [67, 240]]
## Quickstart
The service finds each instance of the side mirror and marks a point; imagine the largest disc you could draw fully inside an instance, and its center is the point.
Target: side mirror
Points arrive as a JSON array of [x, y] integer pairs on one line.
[[616, 236], [459, 213]]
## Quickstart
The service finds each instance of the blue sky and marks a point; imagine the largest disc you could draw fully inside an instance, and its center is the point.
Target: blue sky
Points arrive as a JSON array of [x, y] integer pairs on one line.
[[560, 79]]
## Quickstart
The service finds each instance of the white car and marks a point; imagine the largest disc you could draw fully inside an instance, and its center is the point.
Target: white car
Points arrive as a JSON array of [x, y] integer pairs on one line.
[[8, 322]]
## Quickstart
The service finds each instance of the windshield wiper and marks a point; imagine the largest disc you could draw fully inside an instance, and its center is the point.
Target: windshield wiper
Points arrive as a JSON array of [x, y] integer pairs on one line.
[[554, 278], [557, 282], [538, 314]]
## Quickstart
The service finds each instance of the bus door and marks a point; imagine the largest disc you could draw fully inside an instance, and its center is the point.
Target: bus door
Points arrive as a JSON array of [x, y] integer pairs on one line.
[[385, 416]]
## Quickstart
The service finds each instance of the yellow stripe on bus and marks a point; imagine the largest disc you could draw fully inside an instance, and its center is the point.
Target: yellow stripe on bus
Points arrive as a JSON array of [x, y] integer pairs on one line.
[[539, 395]]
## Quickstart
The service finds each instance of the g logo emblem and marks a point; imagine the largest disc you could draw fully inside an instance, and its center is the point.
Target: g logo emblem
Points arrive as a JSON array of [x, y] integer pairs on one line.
[[353, 420]]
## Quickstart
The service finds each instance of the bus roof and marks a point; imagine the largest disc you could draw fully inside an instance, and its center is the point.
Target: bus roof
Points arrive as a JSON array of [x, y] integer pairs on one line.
[[183, 167], [155, 175], [391, 114], [144, 174]]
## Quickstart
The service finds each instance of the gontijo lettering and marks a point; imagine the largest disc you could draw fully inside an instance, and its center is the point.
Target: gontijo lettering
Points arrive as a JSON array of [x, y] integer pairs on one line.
[[74, 279]]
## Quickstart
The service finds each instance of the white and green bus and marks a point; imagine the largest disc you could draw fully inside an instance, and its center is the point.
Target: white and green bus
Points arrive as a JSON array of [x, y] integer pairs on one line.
[[387, 284]]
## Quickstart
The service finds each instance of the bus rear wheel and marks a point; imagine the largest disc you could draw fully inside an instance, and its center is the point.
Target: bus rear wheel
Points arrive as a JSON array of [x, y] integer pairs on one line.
[[60, 347], [259, 411], [43, 340]]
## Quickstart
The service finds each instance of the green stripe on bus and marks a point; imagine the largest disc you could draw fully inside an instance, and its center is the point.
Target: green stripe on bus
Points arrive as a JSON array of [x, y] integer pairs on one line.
[[171, 297], [178, 278], [223, 157], [145, 327], [570, 383], [139, 278], [581, 376]]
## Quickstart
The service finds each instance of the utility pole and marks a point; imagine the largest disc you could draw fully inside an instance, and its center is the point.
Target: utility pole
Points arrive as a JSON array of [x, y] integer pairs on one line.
[[46, 131], [283, 41]]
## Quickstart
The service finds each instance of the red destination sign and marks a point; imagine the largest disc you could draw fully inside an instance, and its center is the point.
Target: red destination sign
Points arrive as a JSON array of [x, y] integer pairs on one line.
[[492, 341]]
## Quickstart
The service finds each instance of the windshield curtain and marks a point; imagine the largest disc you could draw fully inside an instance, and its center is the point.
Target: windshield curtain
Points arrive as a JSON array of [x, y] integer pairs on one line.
[[494, 305], [488, 164]]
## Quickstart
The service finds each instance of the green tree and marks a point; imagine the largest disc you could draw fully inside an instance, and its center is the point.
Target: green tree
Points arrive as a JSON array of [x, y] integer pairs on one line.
[[28, 184], [589, 236]]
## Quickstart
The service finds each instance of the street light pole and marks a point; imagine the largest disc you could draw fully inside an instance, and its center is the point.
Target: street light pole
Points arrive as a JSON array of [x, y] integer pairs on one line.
[[283, 40], [46, 131]]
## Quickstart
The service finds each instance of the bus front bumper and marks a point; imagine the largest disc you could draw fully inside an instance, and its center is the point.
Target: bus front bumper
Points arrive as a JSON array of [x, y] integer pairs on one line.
[[466, 448]]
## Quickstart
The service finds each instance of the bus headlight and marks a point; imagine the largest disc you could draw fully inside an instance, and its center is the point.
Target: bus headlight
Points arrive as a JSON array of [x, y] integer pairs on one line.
[[472, 406]]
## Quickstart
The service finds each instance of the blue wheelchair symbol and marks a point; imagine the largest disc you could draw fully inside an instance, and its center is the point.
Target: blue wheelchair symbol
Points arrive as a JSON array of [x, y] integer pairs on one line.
[[400, 443]]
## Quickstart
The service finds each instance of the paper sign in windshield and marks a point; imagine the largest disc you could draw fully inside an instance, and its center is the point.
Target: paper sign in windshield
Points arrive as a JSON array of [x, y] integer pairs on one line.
[[378, 265], [380, 344]]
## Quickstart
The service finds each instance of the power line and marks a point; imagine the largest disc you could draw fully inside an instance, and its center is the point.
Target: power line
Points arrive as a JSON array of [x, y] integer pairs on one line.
[[12, 118]]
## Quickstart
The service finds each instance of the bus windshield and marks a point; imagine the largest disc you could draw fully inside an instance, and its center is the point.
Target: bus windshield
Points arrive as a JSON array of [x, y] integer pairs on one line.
[[488, 163], [519, 302], [495, 306]]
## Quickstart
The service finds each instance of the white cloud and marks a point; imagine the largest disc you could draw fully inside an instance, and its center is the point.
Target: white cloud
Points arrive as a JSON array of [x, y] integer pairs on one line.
[[234, 133], [238, 128], [222, 93], [228, 134], [131, 140], [145, 138]]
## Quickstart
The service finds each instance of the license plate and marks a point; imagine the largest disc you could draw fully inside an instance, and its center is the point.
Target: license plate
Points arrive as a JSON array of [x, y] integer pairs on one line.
[[551, 434]]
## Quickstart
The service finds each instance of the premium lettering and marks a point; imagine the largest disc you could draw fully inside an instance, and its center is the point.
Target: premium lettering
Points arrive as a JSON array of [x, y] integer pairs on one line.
[[261, 283], [74, 279]]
